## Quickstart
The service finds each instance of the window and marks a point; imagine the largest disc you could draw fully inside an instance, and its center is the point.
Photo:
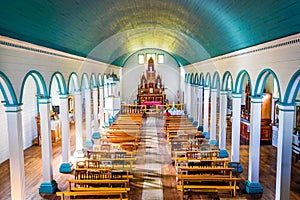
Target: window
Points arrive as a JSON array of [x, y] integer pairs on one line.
[[160, 58], [141, 58]]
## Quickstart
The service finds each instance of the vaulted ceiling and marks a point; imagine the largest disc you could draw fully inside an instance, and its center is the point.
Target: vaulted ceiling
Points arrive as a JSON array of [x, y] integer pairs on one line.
[[112, 30]]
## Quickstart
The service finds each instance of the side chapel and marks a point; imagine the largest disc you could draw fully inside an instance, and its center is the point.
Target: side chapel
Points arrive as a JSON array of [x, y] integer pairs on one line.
[[151, 90]]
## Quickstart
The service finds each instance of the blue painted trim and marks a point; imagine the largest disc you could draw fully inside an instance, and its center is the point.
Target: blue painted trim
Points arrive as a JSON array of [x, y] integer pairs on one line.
[[61, 82], [236, 95], [253, 188], [201, 79], [93, 82], [73, 77], [48, 187], [100, 80], [96, 135], [196, 79], [207, 82], [65, 167], [216, 80], [290, 86], [224, 153], [225, 80], [191, 79], [88, 143], [31, 73], [11, 90], [263, 81], [240, 79], [85, 81]]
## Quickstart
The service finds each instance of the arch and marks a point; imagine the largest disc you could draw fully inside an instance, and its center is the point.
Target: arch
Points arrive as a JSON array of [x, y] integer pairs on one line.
[[93, 81], [201, 79], [74, 78], [187, 78], [7, 90], [39, 82], [61, 82], [239, 82], [261, 81], [196, 79], [207, 82], [191, 79], [85, 81], [226, 76], [100, 80], [292, 89], [216, 81]]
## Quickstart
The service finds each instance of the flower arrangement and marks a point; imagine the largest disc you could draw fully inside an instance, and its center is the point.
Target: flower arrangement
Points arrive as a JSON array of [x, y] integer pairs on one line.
[[53, 115]]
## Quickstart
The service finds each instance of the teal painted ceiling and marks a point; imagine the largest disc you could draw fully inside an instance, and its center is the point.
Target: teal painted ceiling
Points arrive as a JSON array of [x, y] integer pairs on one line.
[[112, 30]]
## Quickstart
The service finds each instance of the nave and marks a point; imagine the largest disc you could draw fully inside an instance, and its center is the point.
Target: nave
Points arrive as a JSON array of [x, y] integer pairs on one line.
[[154, 175]]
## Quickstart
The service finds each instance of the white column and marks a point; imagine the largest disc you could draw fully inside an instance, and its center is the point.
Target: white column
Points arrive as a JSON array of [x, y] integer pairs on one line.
[[65, 122], [188, 99], [236, 119], [284, 151], [213, 115], [206, 106], [88, 115], [48, 185], [101, 107], [109, 85], [16, 154], [254, 143], [78, 120], [222, 122], [200, 106], [95, 105], [193, 101]]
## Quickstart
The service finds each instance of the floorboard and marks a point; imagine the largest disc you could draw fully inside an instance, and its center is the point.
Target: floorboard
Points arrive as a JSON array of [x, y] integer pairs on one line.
[[33, 172]]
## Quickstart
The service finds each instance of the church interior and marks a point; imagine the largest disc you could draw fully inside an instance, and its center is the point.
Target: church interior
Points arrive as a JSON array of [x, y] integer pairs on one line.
[[150, 100]]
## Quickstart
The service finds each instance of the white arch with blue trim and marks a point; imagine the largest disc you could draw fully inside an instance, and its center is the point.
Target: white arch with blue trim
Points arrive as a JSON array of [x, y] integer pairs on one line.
[[40, 84], [292, 88], [7, 90]]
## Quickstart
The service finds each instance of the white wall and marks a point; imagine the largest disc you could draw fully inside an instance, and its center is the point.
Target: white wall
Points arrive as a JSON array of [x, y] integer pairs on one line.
[[132, 71], [29, 112]]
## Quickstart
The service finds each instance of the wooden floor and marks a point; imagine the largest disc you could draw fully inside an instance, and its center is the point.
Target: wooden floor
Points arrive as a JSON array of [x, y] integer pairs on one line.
[[33, 173]]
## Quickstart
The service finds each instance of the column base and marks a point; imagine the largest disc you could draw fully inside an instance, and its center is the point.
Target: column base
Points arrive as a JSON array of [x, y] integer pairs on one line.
[[88, 143], [48, 187], [253, 188], [79, 153], [224, 153], [65, 167], [213, 142], [195, 123]]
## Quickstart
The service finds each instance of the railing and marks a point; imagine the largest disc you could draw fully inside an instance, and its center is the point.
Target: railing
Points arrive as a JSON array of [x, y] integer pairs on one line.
[[134, 108]]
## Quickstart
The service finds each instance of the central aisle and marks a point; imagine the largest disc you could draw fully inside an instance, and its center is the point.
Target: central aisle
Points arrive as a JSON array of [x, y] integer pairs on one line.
[[152, 188]]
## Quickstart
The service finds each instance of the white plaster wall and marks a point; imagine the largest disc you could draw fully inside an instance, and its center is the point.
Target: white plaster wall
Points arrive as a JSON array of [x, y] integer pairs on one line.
[[132, 71], [29, 112]]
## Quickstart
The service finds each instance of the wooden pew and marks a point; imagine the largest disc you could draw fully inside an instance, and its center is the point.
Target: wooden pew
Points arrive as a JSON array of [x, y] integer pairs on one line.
[[92, 194], [203, 183], [106, 187]]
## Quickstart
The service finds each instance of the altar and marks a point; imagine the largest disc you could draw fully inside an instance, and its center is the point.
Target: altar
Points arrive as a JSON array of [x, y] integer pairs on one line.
[[151, 90]]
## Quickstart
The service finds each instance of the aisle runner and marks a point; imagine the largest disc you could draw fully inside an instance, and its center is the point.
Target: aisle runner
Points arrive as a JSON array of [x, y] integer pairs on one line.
[[152, 189]]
